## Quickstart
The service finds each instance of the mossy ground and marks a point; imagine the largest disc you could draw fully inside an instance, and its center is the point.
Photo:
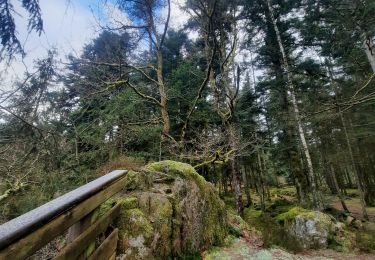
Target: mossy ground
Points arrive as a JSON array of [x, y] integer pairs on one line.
[[347, 244], [266, 224]]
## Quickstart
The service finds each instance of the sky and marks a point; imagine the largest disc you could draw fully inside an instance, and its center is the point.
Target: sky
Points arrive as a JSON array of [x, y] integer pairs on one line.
[[68, 26]]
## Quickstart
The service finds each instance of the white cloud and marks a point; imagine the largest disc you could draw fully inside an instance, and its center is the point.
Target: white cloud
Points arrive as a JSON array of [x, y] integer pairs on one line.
[[178, 16], [68, 26]]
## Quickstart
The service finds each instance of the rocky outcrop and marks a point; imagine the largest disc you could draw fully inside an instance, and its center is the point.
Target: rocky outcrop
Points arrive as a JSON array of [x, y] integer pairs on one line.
[[311, 229], [169, 210]]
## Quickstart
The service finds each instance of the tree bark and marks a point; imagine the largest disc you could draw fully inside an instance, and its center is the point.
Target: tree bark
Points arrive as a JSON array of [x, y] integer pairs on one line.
[[247, 186], [370, 52], [261, 189], [236, 175], [318, 204], [339, 194], [356, 175], [163, 95]]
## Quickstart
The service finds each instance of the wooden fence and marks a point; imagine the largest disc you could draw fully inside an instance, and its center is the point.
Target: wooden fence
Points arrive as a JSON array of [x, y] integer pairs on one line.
[[26, 234]]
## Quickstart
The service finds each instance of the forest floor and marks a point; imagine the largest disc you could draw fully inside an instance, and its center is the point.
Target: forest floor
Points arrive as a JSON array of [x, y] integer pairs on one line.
[[243, 248], [240, 249], [354, 207]]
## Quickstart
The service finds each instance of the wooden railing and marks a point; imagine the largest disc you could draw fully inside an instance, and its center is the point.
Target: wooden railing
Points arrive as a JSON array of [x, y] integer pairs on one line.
[[26, 234]]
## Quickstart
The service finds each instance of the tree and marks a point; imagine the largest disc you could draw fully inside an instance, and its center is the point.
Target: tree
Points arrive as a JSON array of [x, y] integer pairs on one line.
[[312, 179], [10, 42]]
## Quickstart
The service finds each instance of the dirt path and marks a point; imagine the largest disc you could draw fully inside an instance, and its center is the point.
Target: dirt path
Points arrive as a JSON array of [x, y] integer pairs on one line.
[[354, 207]]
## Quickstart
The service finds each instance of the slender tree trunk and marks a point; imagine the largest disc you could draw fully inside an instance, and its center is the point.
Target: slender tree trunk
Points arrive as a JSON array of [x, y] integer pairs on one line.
[[247, 186], [76, 144], [339, 194], [356, 173], [163, 95], [350, 183], [261, 189], [318, 204], [265, 182], [370, 52], [236, 175]]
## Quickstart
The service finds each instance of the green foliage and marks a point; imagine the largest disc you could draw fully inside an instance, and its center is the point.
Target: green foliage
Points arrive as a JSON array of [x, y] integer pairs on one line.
[[365, 240]]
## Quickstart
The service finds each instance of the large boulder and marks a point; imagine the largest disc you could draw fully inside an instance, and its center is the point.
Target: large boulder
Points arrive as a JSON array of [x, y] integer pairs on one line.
[[311, 229], [169, 211]]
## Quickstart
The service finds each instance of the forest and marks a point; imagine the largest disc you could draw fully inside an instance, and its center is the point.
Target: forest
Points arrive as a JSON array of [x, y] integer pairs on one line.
[[268, 100]]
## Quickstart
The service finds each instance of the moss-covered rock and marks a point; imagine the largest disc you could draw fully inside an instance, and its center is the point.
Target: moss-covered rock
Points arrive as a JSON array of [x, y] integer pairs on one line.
[[341, 238], [129, 203], [240, 227], [135, 234], [290, 214], [178, 169], [310, 228], [169, 211], [137, 181]]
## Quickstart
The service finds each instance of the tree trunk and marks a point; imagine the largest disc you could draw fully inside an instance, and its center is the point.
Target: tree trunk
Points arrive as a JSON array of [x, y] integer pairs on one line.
[[261, 189], [370, 52], [339, 194], [318, 204], [163, 95], [247, 187], [356, 173], [236, 175]]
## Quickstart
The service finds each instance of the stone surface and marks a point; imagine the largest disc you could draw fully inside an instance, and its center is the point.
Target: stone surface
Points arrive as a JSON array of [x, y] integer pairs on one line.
[[357, 224], [169, 211], [349, 220], [311, 229]]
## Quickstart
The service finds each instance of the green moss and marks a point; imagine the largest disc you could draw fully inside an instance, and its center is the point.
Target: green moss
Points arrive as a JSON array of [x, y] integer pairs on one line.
[[95, 216], [102, 210], [229, 240], [214, 231], [252, 214], [186, 219], [365, 240], [272, 232], [215, 217], [178, 169], [290, 214], [129, 203], [238, 223], [90, 249], [255, 218], [132, 223], [342, 241], [161, 212], [284, 191], [136, 181], [234, 231]]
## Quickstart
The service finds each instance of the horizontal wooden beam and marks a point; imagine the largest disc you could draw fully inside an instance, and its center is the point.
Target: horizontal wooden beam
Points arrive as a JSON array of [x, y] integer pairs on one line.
[[36, 239], [26, 223], [106, 250], [73, 250]]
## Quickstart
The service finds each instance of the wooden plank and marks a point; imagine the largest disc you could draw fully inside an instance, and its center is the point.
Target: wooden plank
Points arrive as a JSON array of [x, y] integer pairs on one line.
[[26, 223], [73, 250], [113, 257], [107, 248], [34, 241]]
